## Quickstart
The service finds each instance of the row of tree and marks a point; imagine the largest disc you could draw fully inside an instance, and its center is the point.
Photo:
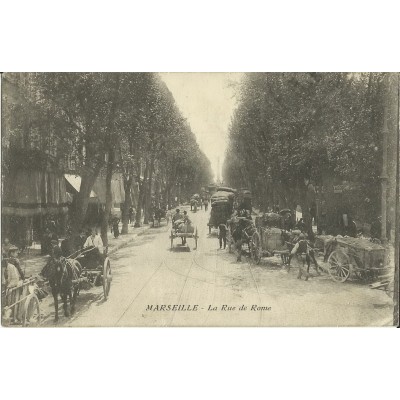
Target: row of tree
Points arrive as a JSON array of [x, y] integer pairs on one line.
[[119, 122], [291, 128]]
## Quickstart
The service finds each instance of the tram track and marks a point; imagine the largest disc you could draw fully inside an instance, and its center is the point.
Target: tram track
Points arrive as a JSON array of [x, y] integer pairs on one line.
[[140, 291]]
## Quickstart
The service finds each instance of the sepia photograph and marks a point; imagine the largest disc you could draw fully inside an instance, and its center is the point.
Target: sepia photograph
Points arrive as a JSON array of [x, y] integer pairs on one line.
[[149, 199]]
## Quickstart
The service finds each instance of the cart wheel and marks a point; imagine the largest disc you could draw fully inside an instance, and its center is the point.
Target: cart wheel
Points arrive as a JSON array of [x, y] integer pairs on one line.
[[172, 239], [196, 236], [339, 265], [256, 247], [107, 278], [31, 314]]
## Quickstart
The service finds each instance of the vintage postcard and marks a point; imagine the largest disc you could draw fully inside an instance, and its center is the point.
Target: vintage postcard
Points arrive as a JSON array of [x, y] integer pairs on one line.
[[199, 199]]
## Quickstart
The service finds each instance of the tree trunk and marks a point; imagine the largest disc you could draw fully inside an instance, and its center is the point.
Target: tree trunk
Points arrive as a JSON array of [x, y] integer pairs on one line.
[[305, 210], [108, 206], [82, 201], [127, 203], [142, 192], [148, 194]]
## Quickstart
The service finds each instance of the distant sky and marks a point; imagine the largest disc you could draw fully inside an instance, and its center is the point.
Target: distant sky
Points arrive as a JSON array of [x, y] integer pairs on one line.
[[207, 101]]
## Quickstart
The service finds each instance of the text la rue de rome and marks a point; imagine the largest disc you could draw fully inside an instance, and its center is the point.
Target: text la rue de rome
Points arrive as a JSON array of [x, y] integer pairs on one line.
[[210, 307]]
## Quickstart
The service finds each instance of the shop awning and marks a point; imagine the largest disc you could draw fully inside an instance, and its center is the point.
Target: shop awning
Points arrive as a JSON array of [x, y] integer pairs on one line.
[[29, 192], [117, 189], [75, 182]]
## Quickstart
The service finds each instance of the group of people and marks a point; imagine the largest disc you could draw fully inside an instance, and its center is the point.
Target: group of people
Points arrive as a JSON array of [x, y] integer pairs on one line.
[[200, 202], [180, 220]]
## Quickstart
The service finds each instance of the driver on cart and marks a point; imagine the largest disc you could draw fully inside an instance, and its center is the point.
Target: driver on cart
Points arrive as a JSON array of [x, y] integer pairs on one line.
[[94, 241], [176, 218]]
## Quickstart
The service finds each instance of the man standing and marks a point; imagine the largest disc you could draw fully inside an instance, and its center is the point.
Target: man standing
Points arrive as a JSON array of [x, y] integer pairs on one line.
[[115, 227], [301, 249], [222, 229], [13, 259], [205, 204]]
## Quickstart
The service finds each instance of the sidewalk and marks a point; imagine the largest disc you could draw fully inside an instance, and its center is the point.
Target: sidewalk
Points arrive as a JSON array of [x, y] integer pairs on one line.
[[33, 263]]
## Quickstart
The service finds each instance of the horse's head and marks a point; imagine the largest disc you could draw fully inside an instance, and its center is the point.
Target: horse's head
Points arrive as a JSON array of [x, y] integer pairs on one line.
[[52, 271]]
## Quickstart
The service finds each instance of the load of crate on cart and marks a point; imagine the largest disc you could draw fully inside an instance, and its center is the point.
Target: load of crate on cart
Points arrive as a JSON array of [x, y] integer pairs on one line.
[[270, 232], [221, 207]]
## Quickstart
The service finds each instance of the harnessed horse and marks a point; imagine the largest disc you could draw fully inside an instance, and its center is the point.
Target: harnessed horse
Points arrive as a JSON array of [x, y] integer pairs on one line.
[[242, 231], [63, 275]]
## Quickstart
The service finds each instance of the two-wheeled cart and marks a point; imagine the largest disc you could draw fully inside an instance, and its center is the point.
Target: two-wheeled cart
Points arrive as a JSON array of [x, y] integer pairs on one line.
[[21, 305], [184, 234], [358, 257]]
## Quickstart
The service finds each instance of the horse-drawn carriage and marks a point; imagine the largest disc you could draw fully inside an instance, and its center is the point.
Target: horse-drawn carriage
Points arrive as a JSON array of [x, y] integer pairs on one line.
[[221, 207], [84, 269]]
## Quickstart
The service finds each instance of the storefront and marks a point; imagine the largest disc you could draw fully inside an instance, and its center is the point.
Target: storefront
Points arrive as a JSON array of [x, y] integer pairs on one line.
[[29, 198]]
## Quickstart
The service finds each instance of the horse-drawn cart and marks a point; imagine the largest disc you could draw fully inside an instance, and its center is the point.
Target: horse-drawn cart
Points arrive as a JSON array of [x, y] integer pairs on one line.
[[21, 305], [268, 240], [221, 208], [360, 257], [185, 231]]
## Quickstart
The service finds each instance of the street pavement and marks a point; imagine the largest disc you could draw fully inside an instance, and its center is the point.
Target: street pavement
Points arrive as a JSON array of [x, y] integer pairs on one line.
[[148, 274]]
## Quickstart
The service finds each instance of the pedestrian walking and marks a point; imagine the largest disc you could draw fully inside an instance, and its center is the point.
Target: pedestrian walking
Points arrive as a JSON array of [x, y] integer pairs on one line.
[[115, 227], [168, 215], [205, 204], [222, 229], [130, 213]]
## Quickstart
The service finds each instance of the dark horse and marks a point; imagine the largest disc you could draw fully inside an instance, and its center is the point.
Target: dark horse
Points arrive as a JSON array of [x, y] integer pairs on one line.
[[63, 275], [242, 231]]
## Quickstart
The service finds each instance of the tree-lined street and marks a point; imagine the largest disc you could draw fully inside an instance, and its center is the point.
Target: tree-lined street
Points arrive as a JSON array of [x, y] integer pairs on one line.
[[148, 273]]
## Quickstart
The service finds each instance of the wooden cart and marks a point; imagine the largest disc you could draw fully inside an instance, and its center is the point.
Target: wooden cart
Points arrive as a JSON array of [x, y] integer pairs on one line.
[[359, 257], [267, 242], [184, 235], [21, 305]]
